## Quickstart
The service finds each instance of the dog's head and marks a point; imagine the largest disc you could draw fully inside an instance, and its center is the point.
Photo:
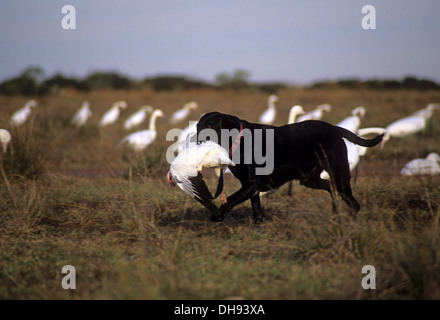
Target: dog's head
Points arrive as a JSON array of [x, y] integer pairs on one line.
[[217, 121]]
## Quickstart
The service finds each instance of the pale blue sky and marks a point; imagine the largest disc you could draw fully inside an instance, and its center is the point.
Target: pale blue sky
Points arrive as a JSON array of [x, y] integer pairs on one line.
[[276, 40]]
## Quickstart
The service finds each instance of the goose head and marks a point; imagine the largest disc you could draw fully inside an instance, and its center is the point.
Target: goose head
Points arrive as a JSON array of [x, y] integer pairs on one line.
[[294, 112], [434, 157], [192, 105], [170, 180], [120, 104], [359, 111], [272, 99], [5, 138], [147, 109], [158, 113], [433, 106], [325, 107], [31, 104]]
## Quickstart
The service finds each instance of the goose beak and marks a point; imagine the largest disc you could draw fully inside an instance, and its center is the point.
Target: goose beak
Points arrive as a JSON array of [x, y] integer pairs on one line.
[[170, 181]]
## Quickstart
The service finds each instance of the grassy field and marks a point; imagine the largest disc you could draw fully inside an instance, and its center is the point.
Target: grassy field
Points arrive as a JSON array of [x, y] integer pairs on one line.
[[70, 196]]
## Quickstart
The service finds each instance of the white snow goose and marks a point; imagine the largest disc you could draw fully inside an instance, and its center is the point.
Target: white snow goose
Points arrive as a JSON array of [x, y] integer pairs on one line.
[[186, 170], [20, 116], [268, 116], [411, 124], [137, 118], [353, 122], [294, 112], [80, 117], [183, 113], [423, 166], [316, 114], [142, 139], [112, 115]]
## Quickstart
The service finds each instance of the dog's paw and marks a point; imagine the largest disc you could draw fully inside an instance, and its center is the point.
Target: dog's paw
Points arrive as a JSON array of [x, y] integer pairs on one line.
[[216, 217]]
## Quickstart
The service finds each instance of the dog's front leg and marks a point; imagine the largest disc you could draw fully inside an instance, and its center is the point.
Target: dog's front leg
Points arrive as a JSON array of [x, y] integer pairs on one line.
[[243, 194]]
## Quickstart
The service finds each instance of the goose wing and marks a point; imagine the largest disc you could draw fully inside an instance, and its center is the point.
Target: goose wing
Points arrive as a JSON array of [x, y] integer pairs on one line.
[[199, 188]]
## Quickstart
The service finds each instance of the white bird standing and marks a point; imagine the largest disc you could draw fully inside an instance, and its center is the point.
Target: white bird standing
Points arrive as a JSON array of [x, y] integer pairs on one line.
[[427, 111], [268, 116], [422, 166], [20, 116], [294, 112], [411, 124], [186, 170], [353, 122], [316, 114], [141, 140], [355, 152], [138, 117], [5, 138], [80, 117], [183, 113], [113, 113]]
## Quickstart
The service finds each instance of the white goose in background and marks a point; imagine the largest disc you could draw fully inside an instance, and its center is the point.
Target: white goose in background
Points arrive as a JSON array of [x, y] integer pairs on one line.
[[294, 112], [422, 166], [137, 118], [268, 116], [316, 114], [353, 122], [427, 111], [186, 169], [411, 124], [5, 138], [20, 116], [355, 152], [141, 140], [183, 113], [113, 113], [80, 117]]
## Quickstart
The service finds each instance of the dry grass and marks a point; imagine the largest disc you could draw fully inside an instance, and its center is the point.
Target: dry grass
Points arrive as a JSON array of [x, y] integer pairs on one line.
[[68, 196]]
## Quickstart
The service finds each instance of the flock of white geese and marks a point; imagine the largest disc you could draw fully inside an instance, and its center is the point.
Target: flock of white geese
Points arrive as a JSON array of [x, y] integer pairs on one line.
[[187, 174], [138, 140]]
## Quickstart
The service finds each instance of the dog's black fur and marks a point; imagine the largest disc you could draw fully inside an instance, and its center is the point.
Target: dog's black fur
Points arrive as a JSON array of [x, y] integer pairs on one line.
[[301, 151]]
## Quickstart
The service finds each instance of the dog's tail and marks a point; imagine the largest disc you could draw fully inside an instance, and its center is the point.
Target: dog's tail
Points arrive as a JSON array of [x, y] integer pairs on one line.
[[358, 140]]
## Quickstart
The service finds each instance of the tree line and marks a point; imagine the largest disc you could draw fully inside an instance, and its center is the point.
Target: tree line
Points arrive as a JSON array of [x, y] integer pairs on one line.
[[32, 82]]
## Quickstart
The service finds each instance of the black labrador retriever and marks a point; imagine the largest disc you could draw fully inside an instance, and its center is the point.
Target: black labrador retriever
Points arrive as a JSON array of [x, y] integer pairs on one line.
[[300, 151]]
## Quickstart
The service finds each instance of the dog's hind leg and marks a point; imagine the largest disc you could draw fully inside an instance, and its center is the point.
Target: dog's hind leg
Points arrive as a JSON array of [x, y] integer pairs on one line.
[[342, 182], [256, 207], [349, 199], [317, 183]]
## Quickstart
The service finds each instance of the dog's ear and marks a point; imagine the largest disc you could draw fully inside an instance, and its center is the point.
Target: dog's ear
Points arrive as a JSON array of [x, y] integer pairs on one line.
[[217, 121], [209, 115], [207, 120]]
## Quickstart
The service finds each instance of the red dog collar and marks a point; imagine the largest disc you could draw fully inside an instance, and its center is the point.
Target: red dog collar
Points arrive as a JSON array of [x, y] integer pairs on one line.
[[237, 141]]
